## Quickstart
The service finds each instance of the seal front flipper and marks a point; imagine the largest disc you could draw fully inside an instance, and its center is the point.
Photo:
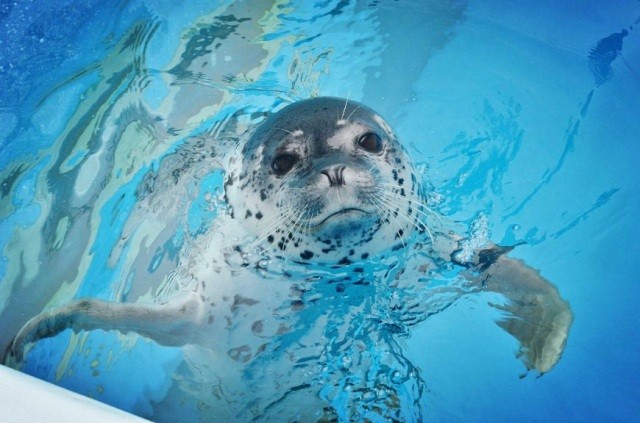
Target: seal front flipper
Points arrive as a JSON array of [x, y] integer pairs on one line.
[[170, 324], [535, 314]]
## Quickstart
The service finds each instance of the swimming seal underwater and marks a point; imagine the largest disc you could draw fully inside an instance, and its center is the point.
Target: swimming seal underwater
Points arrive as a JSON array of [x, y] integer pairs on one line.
[[322, 182]]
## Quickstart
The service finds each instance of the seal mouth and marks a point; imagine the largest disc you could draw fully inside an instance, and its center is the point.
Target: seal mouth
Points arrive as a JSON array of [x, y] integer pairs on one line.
[[348, 212]]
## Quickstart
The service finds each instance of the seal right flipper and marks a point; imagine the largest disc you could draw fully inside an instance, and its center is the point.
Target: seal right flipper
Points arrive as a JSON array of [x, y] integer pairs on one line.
[[169, 324], [535, 314]]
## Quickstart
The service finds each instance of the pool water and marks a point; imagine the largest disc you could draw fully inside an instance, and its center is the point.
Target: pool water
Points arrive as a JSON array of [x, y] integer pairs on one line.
[[524, 117]]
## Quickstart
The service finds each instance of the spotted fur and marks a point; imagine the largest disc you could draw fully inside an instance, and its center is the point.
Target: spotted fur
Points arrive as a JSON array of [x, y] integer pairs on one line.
[[343, 199]]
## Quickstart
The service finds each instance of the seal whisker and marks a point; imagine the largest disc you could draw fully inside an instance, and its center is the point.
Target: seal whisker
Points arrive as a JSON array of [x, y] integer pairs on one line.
[[292, 133], [422, 206], [352, 112], [403, 214], [289, 237], [273, 225], [271, 230], [426, 213], [305, 230], [345, 105], [392, 214], [424, 227], [276, 227], [413, 220], [394, 211]]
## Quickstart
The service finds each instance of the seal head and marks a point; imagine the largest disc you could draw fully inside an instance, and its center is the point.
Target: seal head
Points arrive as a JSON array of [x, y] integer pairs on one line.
[[326, 180]]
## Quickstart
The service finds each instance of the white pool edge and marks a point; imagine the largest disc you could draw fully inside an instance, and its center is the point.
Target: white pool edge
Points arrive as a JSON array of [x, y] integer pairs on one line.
[[24, 398]]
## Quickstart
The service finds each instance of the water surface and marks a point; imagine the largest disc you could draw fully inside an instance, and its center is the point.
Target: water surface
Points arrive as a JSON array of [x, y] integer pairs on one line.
[[524, 118]]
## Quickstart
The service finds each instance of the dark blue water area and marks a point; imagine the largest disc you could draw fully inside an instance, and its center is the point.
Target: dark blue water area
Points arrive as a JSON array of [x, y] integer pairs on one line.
[[49, 52], [45, 43], [526, 116]]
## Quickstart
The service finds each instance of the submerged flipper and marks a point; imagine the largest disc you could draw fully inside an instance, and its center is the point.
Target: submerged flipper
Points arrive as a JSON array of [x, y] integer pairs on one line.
[[168, 324], [535, 314]]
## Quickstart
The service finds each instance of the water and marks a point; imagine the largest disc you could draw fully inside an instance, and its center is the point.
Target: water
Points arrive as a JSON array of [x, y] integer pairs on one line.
[[525, 119]]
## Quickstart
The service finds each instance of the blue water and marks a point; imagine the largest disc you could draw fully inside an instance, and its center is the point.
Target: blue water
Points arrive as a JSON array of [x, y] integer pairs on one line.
[[525, 116]]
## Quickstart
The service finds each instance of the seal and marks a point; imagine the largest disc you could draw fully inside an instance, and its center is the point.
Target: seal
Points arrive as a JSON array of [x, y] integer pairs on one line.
[[314, 271]]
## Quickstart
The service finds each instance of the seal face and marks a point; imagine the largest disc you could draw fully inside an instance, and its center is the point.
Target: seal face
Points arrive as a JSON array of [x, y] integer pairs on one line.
[[326, 180]]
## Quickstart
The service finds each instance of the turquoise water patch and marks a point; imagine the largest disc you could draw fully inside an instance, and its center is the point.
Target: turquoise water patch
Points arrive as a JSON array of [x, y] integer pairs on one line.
[[101, 369]]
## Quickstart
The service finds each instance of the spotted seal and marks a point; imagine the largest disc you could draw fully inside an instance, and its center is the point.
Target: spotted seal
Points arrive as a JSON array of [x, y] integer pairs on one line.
[[324, 193]]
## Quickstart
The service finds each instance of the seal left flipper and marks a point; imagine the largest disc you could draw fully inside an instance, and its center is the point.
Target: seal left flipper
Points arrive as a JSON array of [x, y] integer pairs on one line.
[[536, 315], [169, 324]]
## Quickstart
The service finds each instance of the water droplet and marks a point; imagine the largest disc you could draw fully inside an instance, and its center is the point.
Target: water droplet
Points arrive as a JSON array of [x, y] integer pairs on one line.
[[381, 392], [515, 227], [346, 361]]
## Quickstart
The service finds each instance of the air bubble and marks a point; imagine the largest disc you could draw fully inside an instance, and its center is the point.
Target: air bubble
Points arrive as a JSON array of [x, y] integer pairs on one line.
[[396, 377], [382, 392], [346, 362], [368, 395]]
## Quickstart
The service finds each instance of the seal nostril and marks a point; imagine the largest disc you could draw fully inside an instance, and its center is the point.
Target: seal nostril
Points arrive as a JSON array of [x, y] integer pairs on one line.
[[340, 175], [328, 175], [335, 175]]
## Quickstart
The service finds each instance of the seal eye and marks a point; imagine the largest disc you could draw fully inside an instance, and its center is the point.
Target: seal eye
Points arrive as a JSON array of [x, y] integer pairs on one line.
[[370, 142], [283, 163]]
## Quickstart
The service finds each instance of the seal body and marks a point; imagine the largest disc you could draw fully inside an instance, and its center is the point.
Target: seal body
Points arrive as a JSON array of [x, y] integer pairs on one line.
[[289, 306]]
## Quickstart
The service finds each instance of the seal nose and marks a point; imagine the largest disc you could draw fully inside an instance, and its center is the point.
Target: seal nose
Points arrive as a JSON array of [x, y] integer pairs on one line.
[[335, 175]]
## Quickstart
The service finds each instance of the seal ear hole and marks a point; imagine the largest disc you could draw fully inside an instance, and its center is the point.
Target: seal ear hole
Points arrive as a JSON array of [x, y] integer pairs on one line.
[[370, 142], [283, 163]]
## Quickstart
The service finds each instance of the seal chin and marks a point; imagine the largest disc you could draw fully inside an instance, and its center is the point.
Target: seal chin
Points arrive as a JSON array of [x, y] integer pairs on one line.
[[341, 216], [344, 222]]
